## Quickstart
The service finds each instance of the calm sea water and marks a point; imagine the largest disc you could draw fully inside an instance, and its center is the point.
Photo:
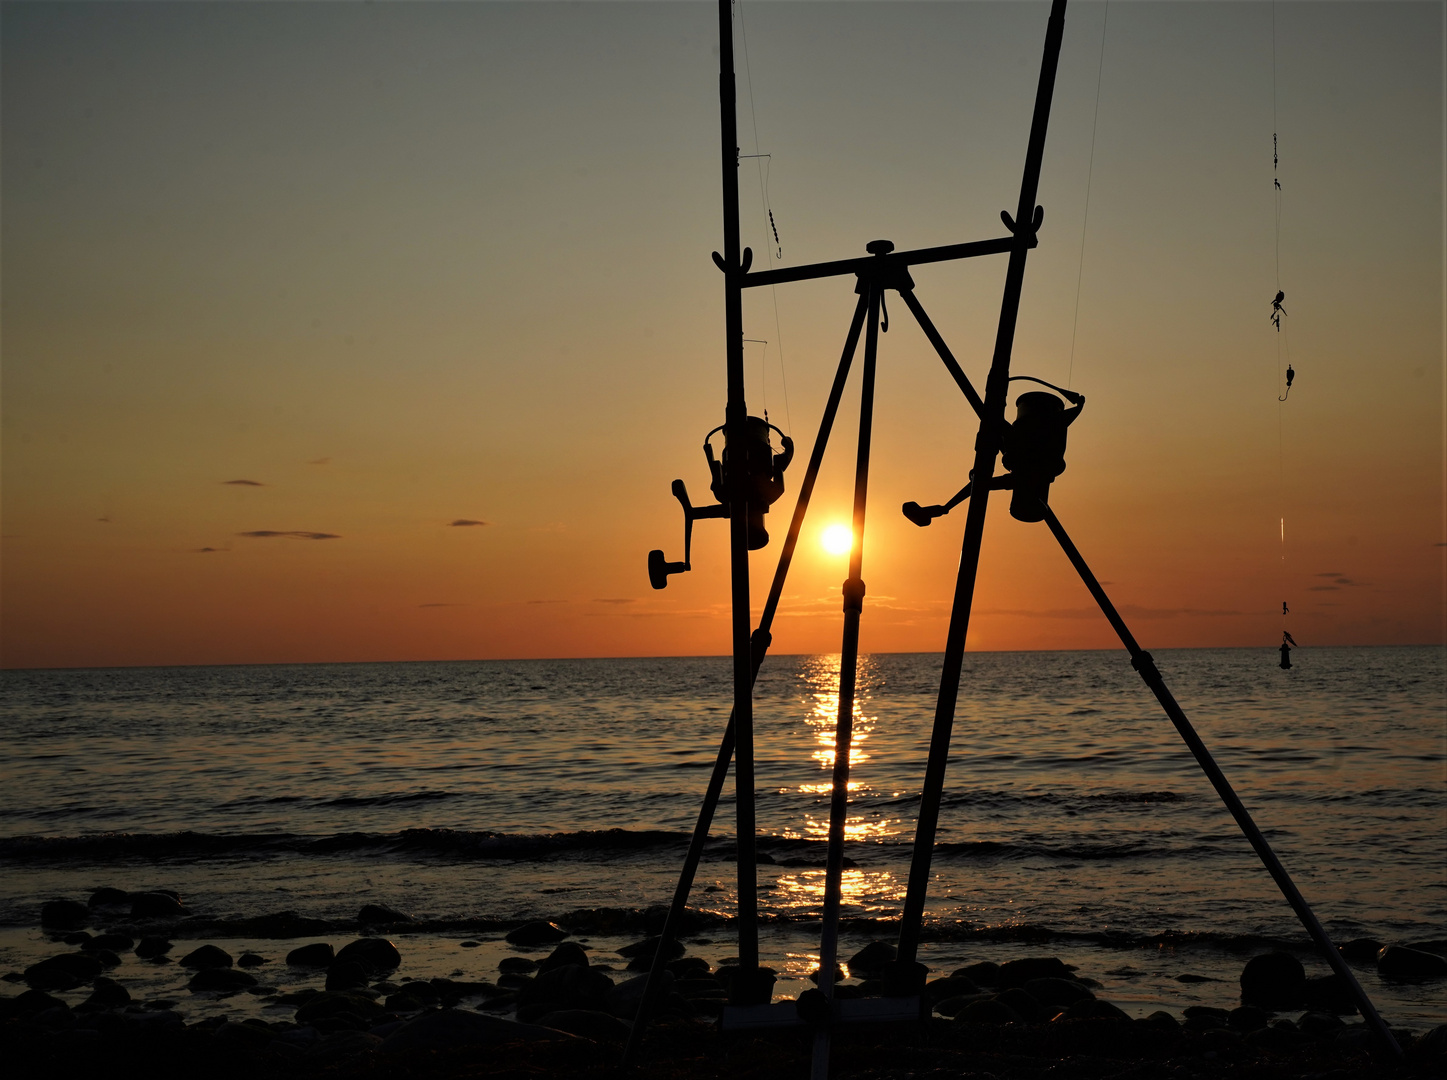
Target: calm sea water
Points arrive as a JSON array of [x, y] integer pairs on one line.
[[1075, 822]]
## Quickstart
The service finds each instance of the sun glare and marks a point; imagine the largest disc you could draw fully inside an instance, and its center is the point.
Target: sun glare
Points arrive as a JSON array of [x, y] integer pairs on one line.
[[837, 539]]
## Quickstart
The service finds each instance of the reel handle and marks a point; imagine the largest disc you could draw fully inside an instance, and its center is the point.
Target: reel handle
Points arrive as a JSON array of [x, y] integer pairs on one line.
[[659, 568]]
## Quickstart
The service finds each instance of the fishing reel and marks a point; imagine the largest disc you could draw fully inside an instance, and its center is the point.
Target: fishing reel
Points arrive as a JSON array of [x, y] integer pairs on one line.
[[764, 481], [1034, 455]]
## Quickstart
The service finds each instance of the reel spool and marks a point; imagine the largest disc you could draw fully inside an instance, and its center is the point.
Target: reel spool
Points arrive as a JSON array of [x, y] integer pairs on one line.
[[1033, 455]]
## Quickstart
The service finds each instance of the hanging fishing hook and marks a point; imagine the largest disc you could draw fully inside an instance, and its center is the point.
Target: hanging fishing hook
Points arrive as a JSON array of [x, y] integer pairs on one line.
[[1290, 375]]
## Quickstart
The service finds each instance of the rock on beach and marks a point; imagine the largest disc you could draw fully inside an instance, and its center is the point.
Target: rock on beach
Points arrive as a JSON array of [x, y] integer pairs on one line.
[[376, 956], [207, 956], [1402, 962], [536, 933], [381, 915], [1274, 980], [64, 972], [63, 915], [317, 955], [157, 905]]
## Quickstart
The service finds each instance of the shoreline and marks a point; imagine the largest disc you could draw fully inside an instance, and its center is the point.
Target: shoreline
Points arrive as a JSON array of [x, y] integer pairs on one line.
[[544, 998]]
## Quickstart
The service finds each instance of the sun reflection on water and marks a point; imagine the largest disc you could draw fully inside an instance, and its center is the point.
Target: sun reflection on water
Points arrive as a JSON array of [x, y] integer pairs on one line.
[[820, 676], [873, 892]]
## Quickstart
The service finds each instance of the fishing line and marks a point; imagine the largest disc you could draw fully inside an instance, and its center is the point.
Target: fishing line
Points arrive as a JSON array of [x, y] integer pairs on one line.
[[763, 371], [765, 171], [1089, 175], [1283, 349]]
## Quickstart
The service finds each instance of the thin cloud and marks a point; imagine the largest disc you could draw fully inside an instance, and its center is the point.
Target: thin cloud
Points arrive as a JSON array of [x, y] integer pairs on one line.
[[204, 550], [105, 520], [295, 534], [245, 483], [615, 600], [320, 461], [547, 601], [441, 605], [1133, 610], [462, 523]]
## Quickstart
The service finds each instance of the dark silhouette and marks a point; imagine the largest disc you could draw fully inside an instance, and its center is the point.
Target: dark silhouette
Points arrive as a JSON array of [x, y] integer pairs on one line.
[[1290, 375], [1284, 609], [747, 480], [1285, 656]]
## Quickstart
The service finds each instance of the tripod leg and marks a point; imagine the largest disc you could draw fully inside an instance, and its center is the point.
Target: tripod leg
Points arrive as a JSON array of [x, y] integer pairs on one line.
[[848, 664], [951, 364], [987, 447], [760, 642], [1142, 662]]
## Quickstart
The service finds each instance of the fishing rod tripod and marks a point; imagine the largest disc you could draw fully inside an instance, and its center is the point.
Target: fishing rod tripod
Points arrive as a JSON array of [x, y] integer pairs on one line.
[[749, 477]]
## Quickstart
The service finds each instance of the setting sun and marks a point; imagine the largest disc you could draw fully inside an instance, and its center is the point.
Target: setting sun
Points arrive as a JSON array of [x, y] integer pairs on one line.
[[837, 539]]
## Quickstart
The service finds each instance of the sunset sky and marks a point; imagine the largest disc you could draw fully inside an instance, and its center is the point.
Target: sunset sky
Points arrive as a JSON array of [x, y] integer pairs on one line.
[[341, 331]]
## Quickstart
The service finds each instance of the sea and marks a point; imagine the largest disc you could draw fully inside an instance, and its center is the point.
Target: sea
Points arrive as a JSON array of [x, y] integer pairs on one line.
[[476, 795]]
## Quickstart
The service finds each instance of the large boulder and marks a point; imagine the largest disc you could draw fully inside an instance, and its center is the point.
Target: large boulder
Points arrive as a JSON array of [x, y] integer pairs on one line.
[[536, 933], [111, 942], [207, 956], [157, 905], [377, 956], [317, 955], [1401, 962], [1328, 993], [110, 899], [150, 947], [988, 1010], [1030, 1009], [1057, 993], [646, 949], [1019, 972], [623, 1000], [1432, 1046], [346, 975], [567, 952], [950, 986], [63, 914], [29, 1003], [1094, 1009], [985, 973], [1360, 950], [63, 972], [107, 994], [330, 1004], [220, 981], [869, 962], [1273, 981], [568, 987]]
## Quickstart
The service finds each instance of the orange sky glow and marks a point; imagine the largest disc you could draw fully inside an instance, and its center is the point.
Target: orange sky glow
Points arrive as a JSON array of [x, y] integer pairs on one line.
[[378, 332]]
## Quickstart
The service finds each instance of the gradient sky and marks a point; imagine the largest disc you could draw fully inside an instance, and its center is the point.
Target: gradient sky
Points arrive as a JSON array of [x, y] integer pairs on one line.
[[294, 292]]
